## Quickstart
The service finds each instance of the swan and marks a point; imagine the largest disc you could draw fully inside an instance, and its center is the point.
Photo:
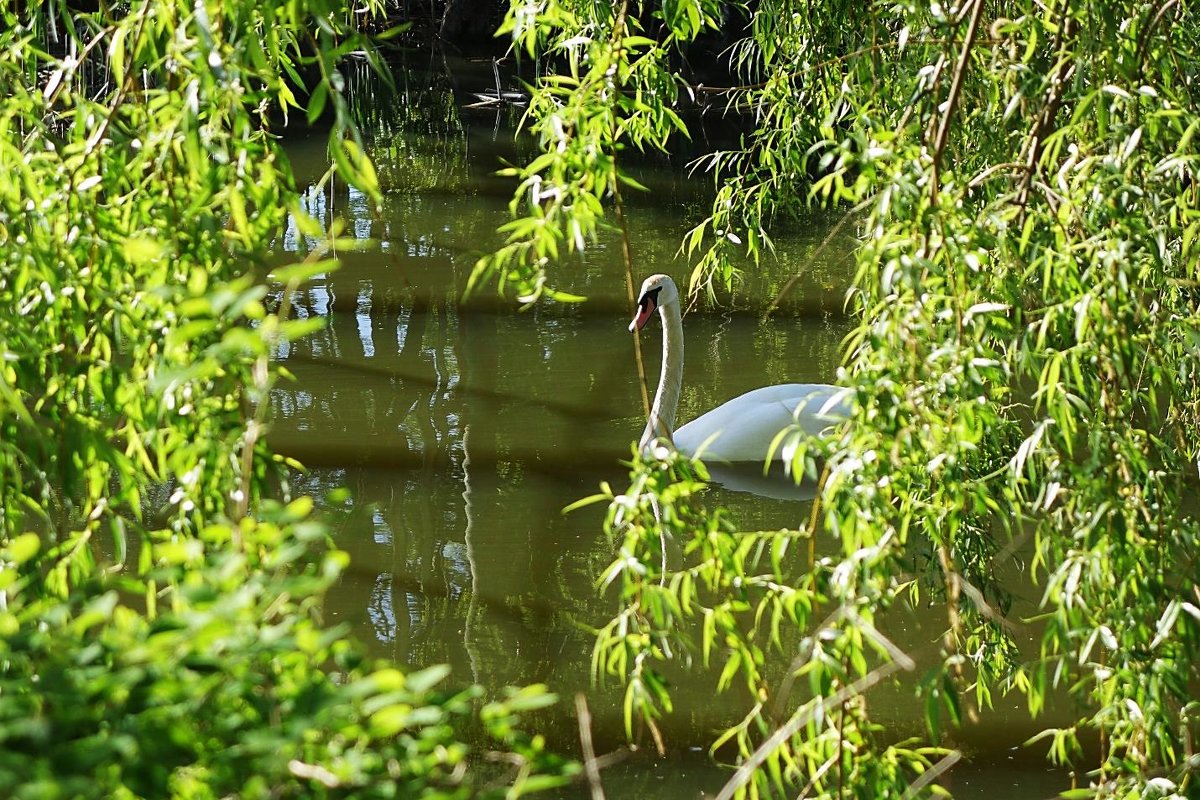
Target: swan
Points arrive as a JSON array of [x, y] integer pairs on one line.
[[742, 429]]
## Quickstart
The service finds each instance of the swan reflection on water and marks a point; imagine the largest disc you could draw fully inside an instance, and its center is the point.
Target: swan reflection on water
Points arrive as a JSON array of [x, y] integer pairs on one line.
[[748, 477]]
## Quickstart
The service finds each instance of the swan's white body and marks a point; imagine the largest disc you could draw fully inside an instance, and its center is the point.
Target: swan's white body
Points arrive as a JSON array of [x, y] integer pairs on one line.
[[742, 429]]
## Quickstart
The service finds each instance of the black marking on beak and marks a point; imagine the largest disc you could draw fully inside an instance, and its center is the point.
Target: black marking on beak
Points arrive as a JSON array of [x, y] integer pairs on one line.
[[647, 305]]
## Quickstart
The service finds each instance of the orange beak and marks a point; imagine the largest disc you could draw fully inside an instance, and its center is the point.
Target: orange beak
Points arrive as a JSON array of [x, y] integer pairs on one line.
[[646, 308]]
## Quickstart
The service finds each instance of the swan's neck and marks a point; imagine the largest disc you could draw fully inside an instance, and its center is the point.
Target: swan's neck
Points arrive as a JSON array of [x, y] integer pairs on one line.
[[661, 423]]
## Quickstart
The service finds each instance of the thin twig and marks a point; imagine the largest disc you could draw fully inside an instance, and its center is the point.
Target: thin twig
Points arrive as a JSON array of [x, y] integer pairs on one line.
[[618, 35], [887, 645], [956, 83], [934, 81], [948, 761], [1045, 120], [787, 287], [789, 680], [590, 765], [954, 633], [1144, 39], [982, 177], [746, 771], [627, 257], [812, 517], [818, 774]]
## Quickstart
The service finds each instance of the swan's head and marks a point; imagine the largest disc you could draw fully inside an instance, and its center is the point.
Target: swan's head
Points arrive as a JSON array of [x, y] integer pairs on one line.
[[657, 291]]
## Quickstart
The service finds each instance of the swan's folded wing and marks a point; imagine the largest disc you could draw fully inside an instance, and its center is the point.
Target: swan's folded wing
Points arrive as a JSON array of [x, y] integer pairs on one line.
[[743, 428]]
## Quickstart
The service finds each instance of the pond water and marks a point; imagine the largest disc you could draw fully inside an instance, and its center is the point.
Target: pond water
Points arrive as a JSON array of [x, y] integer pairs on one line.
[[462, 428]]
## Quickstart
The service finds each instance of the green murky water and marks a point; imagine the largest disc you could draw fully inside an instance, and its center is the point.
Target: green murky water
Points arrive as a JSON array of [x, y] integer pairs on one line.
[[463, 427]]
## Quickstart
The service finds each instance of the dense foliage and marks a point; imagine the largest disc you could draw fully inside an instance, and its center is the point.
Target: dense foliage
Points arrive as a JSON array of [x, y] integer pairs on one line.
[[160, 613], [1026, 365], [233, 688]]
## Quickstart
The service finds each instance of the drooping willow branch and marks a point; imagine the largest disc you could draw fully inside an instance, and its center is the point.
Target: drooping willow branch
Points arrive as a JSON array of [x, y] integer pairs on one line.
[[956, 82]]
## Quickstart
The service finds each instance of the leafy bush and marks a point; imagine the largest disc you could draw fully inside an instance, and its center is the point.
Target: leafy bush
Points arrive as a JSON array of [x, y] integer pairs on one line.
[[233, 688], [159, 613]]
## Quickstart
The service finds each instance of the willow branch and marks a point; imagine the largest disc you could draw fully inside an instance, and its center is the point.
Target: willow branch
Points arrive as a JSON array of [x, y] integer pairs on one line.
[[746, 771], [791, 284], [956, 83], [828, 62], [591, 764], [1144, 39], [619, 212], [1045, 121]]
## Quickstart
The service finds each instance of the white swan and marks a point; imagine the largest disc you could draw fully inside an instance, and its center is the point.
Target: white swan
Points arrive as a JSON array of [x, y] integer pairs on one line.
[[743, 428]]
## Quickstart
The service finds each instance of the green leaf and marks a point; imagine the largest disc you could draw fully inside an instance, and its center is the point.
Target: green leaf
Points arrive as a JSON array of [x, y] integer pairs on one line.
[[22, 548], [423, 680], [316, 102], [304, 271]]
